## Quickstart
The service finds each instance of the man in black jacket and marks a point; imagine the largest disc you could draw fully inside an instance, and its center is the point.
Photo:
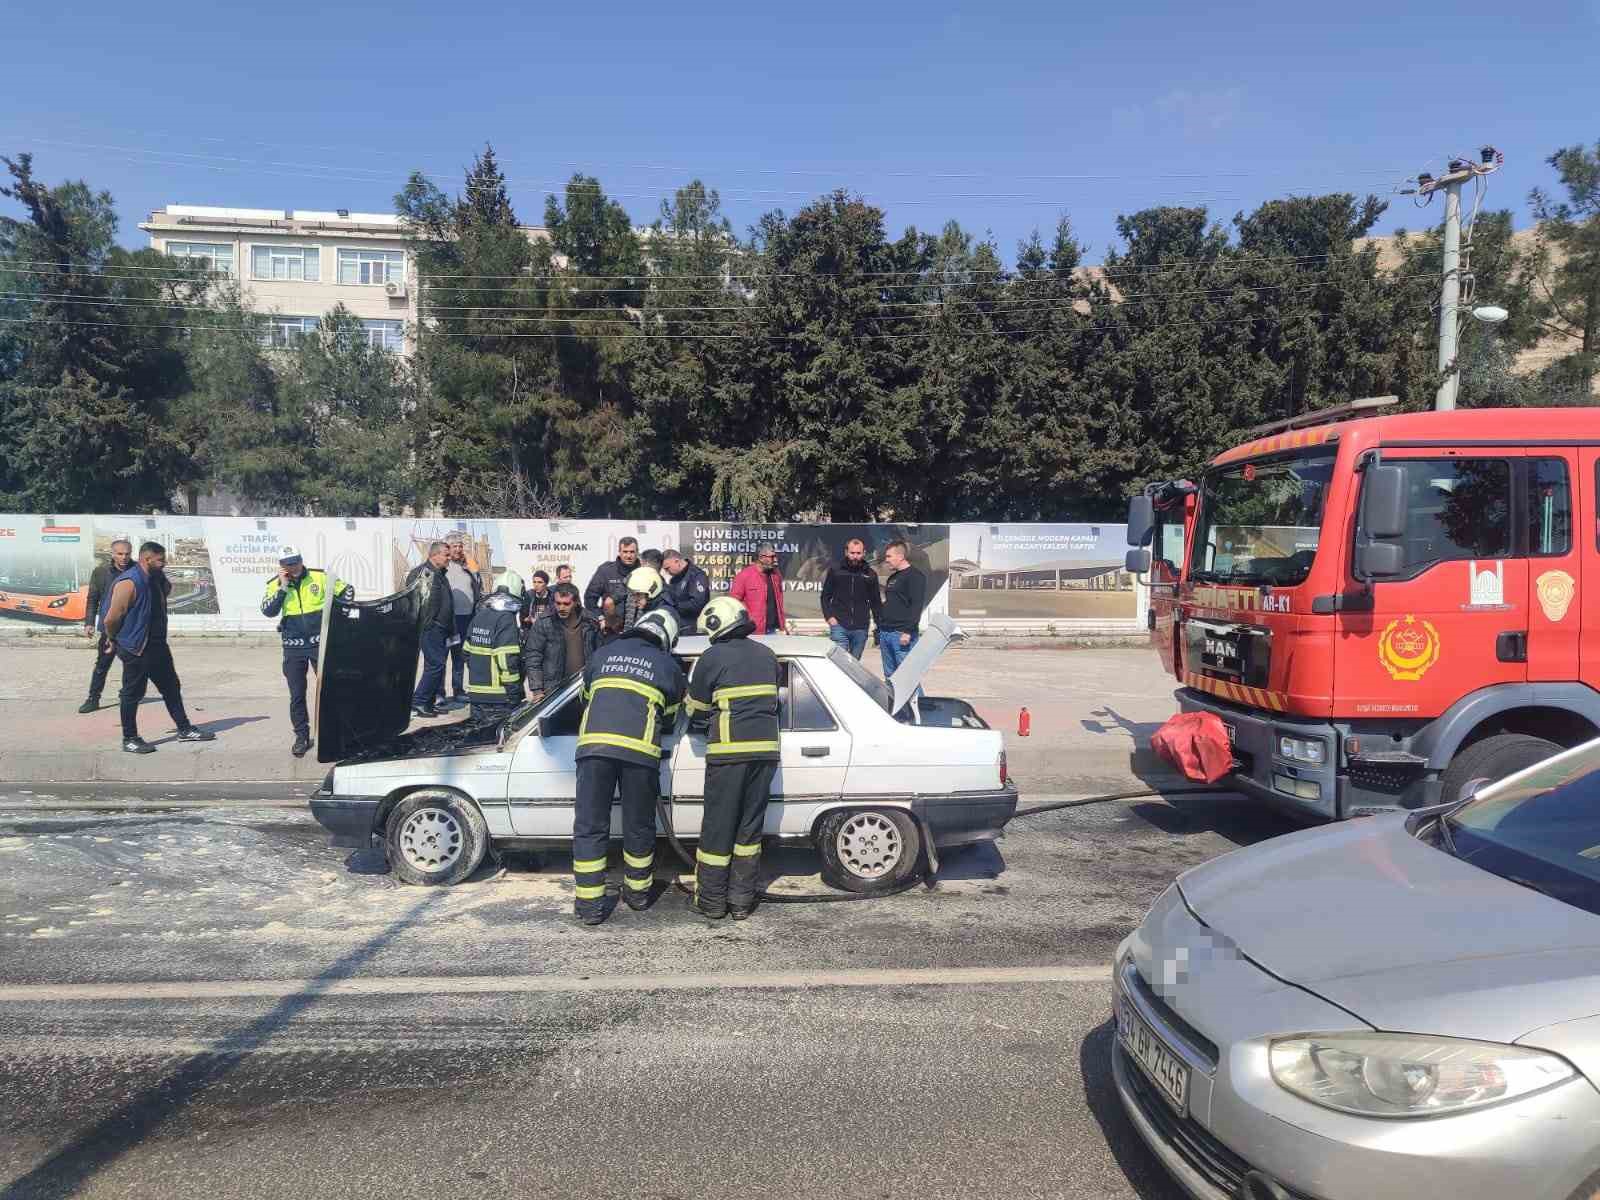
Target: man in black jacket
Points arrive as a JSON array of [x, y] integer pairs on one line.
[[559, 644], [904, 594], [438, 621], [688, 589], [850, 598], [99, 592], [610, 581]]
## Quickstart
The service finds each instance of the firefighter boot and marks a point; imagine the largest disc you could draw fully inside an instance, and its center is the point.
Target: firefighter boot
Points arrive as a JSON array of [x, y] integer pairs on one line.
[[710, 884], [638, 880], [742, 880]]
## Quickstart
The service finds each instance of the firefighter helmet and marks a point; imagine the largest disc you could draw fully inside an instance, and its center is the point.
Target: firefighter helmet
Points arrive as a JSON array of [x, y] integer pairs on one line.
[[512, 582], [721, 615], [646, 581], [662, 627]]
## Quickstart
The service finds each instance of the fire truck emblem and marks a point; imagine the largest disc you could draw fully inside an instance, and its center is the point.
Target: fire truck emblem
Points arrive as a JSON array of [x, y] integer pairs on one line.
[[1408, 648], [1555, 590]]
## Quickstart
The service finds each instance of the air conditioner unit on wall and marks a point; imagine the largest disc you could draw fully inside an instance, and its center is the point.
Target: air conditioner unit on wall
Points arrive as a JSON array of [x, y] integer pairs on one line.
[[395, 289]]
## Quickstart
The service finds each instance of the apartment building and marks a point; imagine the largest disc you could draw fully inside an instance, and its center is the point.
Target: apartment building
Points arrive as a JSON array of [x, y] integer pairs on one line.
[[294, 266]]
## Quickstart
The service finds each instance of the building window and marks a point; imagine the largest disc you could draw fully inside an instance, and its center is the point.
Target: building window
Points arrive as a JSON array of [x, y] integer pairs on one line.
[[280, 333], [206, 256], [385, 335], [372, 266], [286, 262]]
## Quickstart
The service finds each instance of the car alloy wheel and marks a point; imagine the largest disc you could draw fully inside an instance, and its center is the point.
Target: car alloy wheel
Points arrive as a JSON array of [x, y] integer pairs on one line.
[[431, 839], [869, 845]]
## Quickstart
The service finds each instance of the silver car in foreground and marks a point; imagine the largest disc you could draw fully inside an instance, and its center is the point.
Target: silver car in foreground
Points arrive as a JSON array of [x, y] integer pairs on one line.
[[1403, 1006]]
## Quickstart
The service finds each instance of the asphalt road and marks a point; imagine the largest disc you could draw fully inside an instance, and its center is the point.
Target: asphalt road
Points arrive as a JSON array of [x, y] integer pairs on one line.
[[212, 1002]]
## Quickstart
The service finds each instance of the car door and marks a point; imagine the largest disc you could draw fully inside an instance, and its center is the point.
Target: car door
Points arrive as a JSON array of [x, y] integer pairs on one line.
[[1448, 619], [814, 753], [543, 779]]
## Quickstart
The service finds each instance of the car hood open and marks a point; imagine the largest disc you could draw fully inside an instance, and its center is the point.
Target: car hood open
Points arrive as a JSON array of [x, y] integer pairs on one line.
[[939, 633], [366, 673], [1401, 934]]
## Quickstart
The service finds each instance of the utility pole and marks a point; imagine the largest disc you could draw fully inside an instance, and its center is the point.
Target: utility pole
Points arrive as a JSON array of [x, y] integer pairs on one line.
[[1459, 172]]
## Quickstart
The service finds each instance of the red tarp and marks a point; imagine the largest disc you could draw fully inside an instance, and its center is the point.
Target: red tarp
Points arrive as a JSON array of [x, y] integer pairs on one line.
[[1197, 744]]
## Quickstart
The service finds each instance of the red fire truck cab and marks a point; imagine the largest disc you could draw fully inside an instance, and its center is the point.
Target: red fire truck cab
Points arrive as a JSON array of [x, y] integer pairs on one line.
[[1384, 608]]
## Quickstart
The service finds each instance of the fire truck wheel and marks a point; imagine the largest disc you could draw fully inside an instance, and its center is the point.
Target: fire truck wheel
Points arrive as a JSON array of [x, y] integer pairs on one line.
[[1493, 759]]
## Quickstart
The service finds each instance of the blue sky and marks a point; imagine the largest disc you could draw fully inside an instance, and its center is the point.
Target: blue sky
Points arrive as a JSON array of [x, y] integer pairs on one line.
[[1001, 116]]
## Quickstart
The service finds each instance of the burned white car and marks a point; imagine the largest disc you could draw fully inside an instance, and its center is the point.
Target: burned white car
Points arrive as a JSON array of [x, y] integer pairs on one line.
[[877, 785]]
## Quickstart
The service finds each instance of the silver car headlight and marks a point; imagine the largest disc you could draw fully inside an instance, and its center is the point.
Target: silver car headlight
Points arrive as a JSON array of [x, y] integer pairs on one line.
[[1406, 1075]]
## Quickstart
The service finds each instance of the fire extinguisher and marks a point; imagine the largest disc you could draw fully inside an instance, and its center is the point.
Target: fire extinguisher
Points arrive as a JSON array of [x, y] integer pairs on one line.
[[1024, 722]]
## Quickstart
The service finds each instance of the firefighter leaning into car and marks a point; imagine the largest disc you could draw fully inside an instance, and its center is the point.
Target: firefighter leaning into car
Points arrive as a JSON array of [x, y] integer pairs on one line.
[[632, 688], [494, 651], [733, 695], [297, 594]]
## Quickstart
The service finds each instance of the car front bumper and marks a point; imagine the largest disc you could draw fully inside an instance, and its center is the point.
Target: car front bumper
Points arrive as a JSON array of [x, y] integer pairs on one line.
[[350, 820], [1213, 1010], [961, 818]]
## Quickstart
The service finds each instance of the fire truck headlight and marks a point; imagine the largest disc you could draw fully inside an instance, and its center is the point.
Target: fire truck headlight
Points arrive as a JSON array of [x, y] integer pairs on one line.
[[1306, 750]]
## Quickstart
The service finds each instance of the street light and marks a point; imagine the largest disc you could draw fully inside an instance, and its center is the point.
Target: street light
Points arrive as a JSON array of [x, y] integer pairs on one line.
[[1489, 314]]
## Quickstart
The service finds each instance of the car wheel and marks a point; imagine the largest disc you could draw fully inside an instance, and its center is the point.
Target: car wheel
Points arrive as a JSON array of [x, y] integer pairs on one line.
[[868, 849], [1493, 759], [435, 838]]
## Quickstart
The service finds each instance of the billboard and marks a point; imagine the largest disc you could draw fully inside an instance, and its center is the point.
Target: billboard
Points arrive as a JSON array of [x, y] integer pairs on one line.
[[533, 545], [1041, 572], [805, 551], [45, 564]]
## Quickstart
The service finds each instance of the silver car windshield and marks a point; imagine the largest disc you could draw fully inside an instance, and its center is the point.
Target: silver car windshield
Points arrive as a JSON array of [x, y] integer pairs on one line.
[[1542, 837]]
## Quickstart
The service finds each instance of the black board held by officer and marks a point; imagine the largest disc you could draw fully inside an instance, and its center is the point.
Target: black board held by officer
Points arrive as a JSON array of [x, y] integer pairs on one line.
[[136, 623], [632, 688], [296, 595], [99, 597], [733, 696]]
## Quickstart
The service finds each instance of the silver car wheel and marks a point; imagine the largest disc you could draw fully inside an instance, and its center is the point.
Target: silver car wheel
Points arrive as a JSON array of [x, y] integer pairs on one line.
[[869, 845], [431, 839]]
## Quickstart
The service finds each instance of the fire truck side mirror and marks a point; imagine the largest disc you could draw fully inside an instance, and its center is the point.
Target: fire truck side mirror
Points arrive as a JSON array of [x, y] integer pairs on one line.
[[1141, 522], [1383, 513], [1137, 562], [1380, 560]]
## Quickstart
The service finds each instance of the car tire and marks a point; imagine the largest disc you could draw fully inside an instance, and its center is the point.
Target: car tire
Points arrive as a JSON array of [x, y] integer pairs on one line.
[[1493, 759], [868, 849], [435, 838]]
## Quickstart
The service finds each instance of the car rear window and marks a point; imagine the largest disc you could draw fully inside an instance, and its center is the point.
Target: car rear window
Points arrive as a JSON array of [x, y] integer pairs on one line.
[[862, 678]]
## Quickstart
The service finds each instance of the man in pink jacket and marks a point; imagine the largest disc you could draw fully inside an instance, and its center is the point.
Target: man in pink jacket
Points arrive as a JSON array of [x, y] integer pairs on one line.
[[759, 588]]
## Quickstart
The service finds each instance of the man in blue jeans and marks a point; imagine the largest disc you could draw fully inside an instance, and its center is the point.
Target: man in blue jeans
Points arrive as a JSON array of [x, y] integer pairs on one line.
[[904, 594], [850, 598], [438, 623]]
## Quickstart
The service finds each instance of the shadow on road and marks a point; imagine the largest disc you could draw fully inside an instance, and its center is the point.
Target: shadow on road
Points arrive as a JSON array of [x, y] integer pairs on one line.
[[1243, 821], [73, 1166], [981, 860], [1147, 1177]]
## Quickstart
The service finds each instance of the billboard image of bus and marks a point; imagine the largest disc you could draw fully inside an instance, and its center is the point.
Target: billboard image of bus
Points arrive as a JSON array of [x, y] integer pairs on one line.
[[45, 563]]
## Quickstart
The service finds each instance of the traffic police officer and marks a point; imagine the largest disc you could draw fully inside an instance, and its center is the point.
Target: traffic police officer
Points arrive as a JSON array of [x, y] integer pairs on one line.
[[734, 695], [297, 595], [633, 687], [494, 651]]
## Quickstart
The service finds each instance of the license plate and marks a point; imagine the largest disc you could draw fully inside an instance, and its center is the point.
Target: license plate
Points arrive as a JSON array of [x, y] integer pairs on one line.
[[1151, 1055]]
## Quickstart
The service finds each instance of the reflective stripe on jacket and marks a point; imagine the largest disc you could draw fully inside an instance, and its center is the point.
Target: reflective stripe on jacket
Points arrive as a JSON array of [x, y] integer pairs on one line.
[[734, 691], [632, 689]]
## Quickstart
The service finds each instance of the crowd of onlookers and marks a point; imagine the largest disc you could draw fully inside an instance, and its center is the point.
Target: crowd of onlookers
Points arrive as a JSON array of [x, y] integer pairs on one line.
[[561, 627]]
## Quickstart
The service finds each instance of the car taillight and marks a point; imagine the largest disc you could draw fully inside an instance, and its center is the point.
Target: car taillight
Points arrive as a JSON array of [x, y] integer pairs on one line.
[[1003, 776]]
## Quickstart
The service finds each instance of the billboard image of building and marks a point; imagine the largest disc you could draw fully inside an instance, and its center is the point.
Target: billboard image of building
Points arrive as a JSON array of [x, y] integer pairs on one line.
[[1067, 572]]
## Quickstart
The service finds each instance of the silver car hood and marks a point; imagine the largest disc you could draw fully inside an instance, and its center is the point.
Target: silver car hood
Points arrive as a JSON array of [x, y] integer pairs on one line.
[[1401, 934]]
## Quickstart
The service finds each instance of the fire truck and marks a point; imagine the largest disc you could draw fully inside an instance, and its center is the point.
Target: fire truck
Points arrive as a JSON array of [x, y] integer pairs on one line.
[[1383, 608]]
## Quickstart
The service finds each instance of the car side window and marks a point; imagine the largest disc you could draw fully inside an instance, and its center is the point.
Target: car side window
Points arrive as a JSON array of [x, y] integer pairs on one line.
[[1549, 507], [1457, 508], [563, 721], [804, 710]]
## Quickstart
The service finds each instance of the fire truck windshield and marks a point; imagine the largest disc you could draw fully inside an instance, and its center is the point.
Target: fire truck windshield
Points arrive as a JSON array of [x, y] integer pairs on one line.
[[1259, 522]]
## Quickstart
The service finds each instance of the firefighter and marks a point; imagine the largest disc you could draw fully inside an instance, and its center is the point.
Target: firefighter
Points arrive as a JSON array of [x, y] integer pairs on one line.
[[632, 688], [646, 592], [297, 594], [494, 652], [734, 697]]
